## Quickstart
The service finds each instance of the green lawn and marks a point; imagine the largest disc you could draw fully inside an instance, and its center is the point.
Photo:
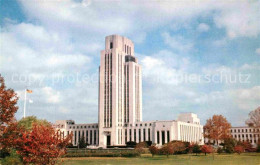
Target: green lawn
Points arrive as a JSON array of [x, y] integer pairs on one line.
[[224, 159]]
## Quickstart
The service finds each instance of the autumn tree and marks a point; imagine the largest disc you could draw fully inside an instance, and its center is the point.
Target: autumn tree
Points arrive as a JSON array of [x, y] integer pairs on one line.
[[239, 149], [217, 128], [8, 107], [42, 145], [206, 149], [139, 148], [153, 149], [178, 146], [167, 149]]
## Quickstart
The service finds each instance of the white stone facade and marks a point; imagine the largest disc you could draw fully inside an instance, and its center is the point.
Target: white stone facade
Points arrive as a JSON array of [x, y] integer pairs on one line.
[[243, 134], [120, 105]]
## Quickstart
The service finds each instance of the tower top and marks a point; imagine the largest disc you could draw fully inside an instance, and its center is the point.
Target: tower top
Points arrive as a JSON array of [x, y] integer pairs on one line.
[[121, 43]]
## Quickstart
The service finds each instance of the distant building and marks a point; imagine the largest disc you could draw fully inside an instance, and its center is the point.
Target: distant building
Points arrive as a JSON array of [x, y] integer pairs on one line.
[[246, 134], [120, 106], [243, 134]]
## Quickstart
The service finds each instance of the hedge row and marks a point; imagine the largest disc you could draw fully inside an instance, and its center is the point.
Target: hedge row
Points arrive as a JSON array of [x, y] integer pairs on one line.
[[122, 154]]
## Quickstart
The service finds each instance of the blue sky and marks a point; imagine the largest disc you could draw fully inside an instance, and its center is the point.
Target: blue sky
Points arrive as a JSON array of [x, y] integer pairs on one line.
[[53, 47]]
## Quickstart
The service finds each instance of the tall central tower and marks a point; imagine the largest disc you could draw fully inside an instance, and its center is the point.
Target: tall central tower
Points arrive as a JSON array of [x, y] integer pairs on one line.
[[120, 90]]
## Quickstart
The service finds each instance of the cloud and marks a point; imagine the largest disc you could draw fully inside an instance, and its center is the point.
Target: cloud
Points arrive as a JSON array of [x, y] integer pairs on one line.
[[60, 39], [202, 27], [240, 19], [177, 43]]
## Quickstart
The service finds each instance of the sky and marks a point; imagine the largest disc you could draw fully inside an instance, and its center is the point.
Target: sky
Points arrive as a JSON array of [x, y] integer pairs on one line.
[[197, 56]]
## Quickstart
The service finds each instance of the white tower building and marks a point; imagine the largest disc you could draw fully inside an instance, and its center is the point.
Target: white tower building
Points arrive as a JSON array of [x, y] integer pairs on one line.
[[120, 106], [120, 90]]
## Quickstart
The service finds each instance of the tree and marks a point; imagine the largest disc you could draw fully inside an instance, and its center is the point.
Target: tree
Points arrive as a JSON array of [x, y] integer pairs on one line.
[[258, 147], [8, 107], [139, 148], [239, 149], [254, 118], [82, 143], [229, 144], [206, 149], [196, 149], [167, 149], [217, 128], [41, 145], [178, 147], [27, 122], [153, 149]]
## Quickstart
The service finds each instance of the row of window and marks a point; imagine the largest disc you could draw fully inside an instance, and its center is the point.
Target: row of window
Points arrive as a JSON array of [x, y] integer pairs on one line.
[[246, 135], [145, 125], [145, 138], [108, 90], [78, 127], [86, 135], [244, 130]]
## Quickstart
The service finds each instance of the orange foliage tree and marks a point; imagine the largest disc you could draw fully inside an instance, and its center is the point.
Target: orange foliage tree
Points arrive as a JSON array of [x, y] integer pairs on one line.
[[239, 149], [42, 145], [217, 128], [153, 149], [206, 149], [8, 108], [167, 149]]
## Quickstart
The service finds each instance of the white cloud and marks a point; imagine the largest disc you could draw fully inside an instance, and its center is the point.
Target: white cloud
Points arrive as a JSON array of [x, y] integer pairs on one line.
[[177, 42], [202, 27], [240, 19]]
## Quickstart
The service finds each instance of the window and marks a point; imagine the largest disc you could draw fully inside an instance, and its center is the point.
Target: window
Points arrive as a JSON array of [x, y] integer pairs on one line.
[[139, 135], [168, 136], [144, 134], [158, 137], [111, 45], [130, 134], [134, 135], [95, 136], [149, 136], [90, 137]]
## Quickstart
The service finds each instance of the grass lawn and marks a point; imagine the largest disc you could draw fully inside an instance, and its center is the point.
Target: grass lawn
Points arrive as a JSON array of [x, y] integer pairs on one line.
[[223, 159]]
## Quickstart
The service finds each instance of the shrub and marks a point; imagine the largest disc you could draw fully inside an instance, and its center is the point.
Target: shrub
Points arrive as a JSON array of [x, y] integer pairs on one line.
[[239, 149], [167, 149], [153, 149], [178, 147], [130, 154], [13, 159], [139, 148], [258, 147], [196, 149], [206, 149], [229, 149], [219, 150]]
